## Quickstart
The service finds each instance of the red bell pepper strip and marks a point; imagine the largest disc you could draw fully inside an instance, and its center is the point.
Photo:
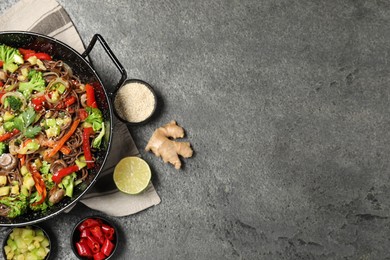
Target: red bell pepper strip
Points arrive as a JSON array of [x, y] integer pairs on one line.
[[39, 184], [108, 231], [99, 256], [1, 63], [93, 244], [65, 138], [70, 101], [88, 223], [107, 247], [39, 55], [25, 51], [8, 135], [57, 176], [83, 248], [87, 131], [38, 102], [97, 232], [90, 92]]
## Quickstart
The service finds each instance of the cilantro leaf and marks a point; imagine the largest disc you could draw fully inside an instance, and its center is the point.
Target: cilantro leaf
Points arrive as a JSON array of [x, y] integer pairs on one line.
[[32, 131], [23, 122]]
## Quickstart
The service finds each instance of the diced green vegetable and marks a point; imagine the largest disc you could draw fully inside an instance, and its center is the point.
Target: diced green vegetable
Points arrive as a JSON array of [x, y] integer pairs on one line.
[[3, 180], [4, 191], [27, 243]]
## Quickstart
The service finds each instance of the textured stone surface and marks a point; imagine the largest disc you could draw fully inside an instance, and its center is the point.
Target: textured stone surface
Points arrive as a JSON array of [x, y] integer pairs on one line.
[[286, 104]]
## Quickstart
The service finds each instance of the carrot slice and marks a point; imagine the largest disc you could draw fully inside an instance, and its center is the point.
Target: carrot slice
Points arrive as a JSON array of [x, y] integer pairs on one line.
[[65, 138], [65, 149]]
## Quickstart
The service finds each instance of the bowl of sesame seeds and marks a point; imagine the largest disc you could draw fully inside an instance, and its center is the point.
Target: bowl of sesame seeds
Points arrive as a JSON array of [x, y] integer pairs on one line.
[[135, 102]]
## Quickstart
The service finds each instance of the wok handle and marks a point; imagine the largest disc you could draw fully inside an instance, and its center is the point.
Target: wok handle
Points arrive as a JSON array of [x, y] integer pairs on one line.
[[111, 55]]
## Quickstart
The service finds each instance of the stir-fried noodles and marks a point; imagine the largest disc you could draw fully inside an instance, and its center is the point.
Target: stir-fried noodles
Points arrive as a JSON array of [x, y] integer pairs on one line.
[[50, 126]]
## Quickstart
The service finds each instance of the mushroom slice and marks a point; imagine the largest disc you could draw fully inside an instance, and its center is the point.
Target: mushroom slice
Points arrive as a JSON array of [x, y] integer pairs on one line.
[[56, 194], [8, 161]]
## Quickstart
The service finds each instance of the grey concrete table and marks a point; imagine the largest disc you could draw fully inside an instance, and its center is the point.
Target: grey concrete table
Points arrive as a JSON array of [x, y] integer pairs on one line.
[[286, 104]]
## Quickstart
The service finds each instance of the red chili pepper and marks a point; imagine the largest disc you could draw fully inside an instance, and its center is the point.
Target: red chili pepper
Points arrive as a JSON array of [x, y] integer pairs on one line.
[[99, 256], [83, 249], [57, 176], [8, 135], [85, 232], [107, 247], [70, 101], [108, 231], [88, 223], [1, 63], [97, 232], [87, 131], [38, 102], [90, 92], [39, 55], [93, 244]]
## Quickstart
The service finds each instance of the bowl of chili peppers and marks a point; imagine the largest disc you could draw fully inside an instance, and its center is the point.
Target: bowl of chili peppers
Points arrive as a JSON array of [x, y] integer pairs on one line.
[[94, 238]]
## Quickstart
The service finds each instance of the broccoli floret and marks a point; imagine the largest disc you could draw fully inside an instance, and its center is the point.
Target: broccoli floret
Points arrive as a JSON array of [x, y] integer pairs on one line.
[[11, 58], [17, 206], [13, 102], [40, 207], [36, 83], [3, 148], [95, 118]]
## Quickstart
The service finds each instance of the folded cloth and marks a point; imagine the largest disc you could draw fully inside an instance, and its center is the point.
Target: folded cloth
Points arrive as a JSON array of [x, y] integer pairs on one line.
[[50, 18]]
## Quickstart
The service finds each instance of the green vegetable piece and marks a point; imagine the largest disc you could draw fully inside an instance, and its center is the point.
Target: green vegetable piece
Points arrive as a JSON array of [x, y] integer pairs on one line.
[[13, 102], [9, 126], [4, 191], [80, 162], [8, 116], [11, 58], [36, 83], [68, 183], [98, 140], [3, 180], [53, 131], [95, 118], [50, 122], [3, 147], [45, 167]]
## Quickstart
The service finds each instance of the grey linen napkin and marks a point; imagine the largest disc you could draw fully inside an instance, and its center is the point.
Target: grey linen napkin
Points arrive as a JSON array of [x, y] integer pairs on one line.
[[50, 18]]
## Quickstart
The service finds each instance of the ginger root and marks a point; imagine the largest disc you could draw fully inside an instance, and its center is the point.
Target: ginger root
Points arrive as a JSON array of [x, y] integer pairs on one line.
[[162, 145]]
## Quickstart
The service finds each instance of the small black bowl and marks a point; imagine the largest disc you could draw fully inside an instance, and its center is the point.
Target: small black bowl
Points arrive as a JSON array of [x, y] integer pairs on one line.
[[34, 227], [154, 96], [75, 237]]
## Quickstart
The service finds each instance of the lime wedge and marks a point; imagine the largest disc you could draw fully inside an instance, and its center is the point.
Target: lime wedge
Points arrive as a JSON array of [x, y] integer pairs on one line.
[[132, 175]]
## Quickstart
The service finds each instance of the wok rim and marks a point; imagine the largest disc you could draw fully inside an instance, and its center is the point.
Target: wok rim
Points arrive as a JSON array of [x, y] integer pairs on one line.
[[73, 201]]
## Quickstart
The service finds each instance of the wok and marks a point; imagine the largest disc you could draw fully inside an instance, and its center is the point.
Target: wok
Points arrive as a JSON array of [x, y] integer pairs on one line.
[[84, 70]]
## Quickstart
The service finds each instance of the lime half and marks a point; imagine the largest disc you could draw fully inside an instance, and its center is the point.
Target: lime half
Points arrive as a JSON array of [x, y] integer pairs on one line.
[[132, 175]]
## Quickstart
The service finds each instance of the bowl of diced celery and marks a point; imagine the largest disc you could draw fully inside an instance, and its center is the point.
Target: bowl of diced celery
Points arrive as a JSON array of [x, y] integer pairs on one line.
[[28, 242]]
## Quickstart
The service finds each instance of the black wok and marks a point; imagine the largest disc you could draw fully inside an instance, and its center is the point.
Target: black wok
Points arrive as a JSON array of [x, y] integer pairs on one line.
[[84, 70]]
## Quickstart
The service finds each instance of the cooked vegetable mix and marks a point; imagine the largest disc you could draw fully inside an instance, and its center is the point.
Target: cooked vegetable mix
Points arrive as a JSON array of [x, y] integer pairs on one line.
[[27, 243], [50, 127]]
